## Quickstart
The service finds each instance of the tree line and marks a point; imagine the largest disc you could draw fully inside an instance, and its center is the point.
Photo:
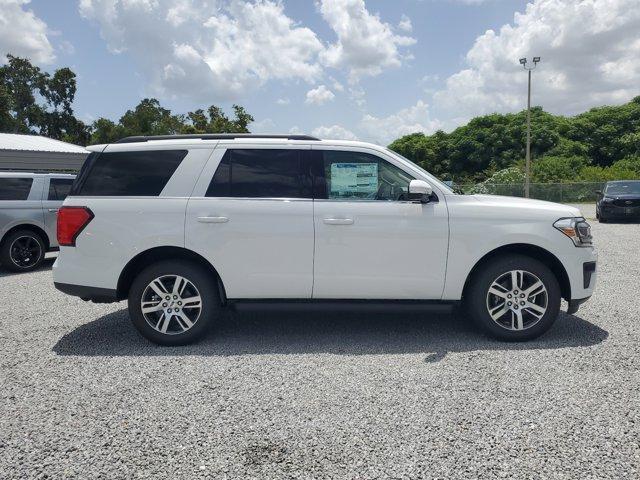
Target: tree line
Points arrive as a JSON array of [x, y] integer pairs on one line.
[[598, 145], [35, 102]]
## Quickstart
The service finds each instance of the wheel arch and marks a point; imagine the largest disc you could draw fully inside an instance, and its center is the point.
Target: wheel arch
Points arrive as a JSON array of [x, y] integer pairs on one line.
[[31, 227], [532, 251], [156, 254]]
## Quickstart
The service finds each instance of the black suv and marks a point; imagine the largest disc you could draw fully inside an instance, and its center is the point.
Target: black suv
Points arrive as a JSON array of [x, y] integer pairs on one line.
[[619, 200]]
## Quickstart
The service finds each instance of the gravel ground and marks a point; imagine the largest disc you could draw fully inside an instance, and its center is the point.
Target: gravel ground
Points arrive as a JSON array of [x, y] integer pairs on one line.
[[303, 394]]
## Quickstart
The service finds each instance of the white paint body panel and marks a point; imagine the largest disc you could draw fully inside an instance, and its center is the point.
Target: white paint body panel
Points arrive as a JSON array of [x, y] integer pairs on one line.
[[122, 228], [481, 223], [392, 250], [264, 249]]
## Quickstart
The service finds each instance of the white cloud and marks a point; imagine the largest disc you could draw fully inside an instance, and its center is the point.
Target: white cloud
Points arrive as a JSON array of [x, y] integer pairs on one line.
[[408, 120], [337, 86], [22, 33], [357, 95], [334, 132], [283, 101], [263, 126], [366, 45], [589, 50], [405, 23], [66, 47], [319, 96], [208, 49]]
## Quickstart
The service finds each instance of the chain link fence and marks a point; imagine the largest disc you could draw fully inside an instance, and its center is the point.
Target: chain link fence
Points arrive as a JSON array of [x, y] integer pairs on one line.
[[553, 192]]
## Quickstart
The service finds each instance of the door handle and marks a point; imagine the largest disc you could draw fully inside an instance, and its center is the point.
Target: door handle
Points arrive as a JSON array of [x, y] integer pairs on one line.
[[213, 219], [53, 210], [338, 221]]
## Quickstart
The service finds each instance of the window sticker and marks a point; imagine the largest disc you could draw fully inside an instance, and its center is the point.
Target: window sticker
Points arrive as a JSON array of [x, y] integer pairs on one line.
[[354, 180]]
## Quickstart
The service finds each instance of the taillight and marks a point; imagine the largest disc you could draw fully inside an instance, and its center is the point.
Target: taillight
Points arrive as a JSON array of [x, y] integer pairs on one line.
[[71, 221]]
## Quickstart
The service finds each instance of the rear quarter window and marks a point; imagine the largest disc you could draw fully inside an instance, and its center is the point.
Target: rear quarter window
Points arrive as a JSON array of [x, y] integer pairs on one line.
[[15, 188], [59, 188], [120, 174]]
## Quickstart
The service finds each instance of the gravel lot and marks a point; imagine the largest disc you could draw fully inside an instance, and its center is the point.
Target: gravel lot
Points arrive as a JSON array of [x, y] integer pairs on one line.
[[305, 394]]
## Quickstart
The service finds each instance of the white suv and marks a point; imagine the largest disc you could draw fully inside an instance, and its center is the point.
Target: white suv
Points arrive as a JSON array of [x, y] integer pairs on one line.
[[181, 226]]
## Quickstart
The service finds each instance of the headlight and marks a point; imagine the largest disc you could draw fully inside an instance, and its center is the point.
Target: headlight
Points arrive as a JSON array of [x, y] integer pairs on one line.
[[577, 229]]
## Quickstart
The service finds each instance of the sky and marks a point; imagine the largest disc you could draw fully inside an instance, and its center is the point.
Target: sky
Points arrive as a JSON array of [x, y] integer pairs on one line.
[[353, 69]]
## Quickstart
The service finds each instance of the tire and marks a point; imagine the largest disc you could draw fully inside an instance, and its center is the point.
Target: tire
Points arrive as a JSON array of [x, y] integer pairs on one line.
[[601, 219], [177, 330], [22, 251], [540, 310]]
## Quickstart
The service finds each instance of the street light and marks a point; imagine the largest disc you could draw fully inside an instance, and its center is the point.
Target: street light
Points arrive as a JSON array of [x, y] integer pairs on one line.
[[527, 173]]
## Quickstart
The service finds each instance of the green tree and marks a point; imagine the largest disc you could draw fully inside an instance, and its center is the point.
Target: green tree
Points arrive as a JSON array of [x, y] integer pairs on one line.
[[32, 101], [556, 169], [491, 143], [150, 118], [22, 82], [106, 131], [214, 120]]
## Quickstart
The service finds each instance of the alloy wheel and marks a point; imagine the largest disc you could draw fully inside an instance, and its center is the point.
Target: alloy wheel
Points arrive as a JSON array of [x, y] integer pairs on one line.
[[517, 300], [171, 304], [25, 251]]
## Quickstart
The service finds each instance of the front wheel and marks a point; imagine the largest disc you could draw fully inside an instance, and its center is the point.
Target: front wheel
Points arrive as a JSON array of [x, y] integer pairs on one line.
[[173, 302], [22, 251], [514, 298]]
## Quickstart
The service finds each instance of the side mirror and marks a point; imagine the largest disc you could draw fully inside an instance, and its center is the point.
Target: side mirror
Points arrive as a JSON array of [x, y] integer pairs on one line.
[[419, 190], [598, 192]]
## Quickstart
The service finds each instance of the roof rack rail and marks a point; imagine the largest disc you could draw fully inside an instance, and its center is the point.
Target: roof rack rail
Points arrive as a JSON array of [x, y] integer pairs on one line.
[[211, 136]]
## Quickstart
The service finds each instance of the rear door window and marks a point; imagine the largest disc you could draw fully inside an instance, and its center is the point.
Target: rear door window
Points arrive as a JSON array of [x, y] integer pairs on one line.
[[119, 174], [261, 173], [15, 188], [59, 188]]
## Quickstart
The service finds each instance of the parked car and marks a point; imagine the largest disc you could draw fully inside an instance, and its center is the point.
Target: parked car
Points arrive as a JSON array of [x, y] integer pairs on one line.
[[182, 226], [28, 206], [619, 200]]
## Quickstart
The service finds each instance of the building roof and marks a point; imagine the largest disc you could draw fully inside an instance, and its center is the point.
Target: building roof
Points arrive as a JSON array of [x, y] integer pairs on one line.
[[35, 143]]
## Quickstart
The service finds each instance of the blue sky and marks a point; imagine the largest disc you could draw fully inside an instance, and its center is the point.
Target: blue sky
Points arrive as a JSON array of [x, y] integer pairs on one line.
[[371, 70]]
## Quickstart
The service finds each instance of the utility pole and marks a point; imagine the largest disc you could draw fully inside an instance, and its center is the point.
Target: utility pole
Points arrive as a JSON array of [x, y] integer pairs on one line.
[[527, 168]]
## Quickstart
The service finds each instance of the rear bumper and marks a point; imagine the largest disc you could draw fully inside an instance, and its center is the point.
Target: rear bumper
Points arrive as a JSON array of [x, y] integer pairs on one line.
[[93, 294]]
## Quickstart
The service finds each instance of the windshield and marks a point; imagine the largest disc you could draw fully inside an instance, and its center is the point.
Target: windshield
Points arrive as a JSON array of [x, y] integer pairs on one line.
[[623, 188], [439, 183]]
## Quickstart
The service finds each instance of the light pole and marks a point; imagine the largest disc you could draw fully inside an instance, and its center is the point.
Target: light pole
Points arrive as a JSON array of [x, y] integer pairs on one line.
[[527, 168]]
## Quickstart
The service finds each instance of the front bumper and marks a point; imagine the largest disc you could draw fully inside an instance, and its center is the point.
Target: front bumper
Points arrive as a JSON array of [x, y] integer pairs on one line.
[[574, 305], [619, 212], [587, 282]]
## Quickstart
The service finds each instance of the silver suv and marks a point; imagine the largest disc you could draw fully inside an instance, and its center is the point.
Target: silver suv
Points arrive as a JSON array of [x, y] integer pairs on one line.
[[29, 204]]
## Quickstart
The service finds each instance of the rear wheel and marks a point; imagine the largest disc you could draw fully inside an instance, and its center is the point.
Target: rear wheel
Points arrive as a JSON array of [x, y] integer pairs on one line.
[[22, 251], [514, 298], [173, 302]]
